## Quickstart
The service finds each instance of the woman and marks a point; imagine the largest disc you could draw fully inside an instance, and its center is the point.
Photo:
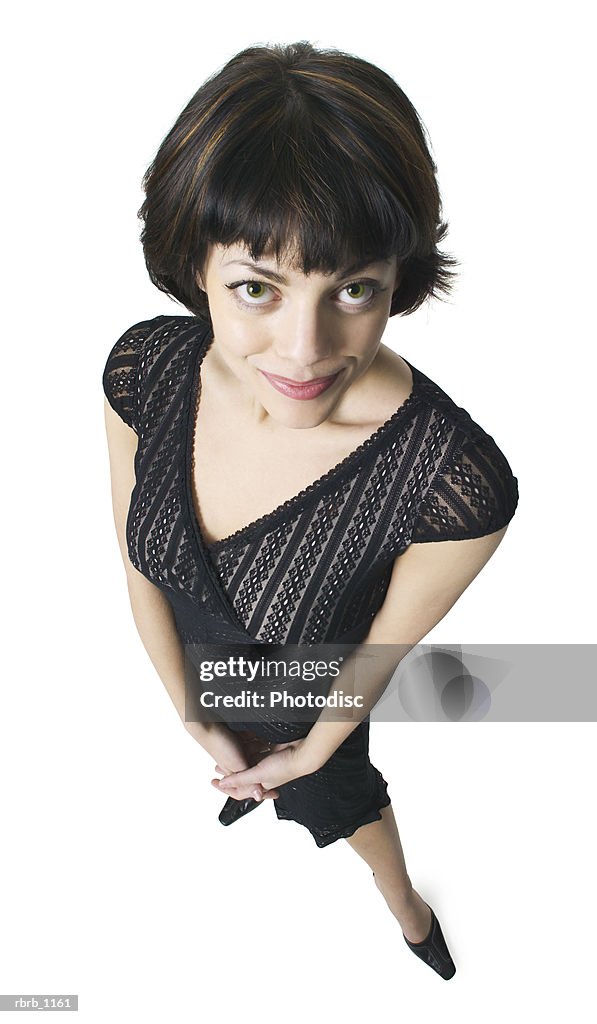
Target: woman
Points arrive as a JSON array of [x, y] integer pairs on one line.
[[292, 478]]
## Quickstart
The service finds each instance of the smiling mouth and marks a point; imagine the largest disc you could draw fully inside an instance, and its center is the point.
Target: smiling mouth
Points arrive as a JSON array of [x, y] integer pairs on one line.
[[301, 383]]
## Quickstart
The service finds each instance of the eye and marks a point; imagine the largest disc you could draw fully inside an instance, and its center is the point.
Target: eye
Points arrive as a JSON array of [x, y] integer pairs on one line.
[[255, 289], [359, 293], [251, 293]]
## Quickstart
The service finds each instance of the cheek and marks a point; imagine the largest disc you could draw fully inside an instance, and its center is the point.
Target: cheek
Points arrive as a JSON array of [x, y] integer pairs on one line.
[[364, 337], [238, 336]]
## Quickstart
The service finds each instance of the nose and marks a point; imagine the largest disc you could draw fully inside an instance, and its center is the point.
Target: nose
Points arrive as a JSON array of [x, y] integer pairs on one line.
[[303, 343]]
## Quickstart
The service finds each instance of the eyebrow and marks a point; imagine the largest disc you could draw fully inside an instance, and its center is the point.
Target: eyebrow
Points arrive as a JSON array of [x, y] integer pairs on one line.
[[272, 275]]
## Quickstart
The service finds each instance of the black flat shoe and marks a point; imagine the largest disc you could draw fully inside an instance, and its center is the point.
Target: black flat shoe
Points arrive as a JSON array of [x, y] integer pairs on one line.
[[235, 809], [433, 950]]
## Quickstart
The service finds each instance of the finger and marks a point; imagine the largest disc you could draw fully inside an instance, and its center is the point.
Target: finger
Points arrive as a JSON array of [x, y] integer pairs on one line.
[[246, 792], [238, 793], [253, 790], [248, 777]]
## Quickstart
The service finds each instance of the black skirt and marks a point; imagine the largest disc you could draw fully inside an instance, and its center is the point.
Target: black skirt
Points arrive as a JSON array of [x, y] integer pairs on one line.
[[334, 801]]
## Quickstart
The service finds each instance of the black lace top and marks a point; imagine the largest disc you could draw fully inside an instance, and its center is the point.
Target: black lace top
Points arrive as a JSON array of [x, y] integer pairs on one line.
[[317, 568]]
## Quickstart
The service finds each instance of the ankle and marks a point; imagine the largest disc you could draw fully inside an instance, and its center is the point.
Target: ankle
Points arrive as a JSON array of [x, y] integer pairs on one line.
[[417, 920], [410, 910], [399, 897]]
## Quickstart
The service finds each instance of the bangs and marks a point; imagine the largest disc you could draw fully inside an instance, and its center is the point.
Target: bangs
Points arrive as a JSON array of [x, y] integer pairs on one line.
[[298, 198]]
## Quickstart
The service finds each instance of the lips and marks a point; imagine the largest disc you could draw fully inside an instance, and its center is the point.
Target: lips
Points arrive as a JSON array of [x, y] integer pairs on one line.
[[303, 390], [301, 383]]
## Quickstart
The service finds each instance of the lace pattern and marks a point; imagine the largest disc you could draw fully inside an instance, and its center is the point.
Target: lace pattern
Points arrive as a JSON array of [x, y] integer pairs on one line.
[[319, 565]]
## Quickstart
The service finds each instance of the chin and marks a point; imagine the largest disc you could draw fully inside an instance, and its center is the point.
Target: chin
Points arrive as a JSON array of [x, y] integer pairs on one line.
[[301, 419]]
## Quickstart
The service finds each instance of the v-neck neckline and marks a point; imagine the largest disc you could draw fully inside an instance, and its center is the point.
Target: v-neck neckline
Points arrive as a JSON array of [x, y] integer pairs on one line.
[[271, 519]]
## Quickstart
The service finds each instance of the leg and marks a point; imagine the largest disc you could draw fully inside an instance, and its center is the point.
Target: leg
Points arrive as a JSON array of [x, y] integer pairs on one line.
[[378, 843]]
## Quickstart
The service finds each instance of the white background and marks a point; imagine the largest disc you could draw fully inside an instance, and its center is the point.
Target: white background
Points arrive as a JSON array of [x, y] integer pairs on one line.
[[118, 882]]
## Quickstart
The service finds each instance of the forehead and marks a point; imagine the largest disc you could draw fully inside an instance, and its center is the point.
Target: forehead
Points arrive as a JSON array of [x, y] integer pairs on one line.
[[289, 262]]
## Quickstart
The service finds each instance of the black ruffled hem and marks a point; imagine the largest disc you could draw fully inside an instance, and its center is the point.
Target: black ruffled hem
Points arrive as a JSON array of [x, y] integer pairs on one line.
[[330, 836]]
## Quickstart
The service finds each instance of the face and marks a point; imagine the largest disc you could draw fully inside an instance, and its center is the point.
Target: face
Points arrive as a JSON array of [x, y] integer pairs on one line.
[[273, 324]]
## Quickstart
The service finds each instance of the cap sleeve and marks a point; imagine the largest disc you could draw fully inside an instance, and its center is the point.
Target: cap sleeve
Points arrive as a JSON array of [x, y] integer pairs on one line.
[[473, 494], [121, 372]]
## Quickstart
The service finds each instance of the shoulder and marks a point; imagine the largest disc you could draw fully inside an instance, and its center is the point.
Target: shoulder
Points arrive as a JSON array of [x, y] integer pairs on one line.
[[133, 355], [472, 489], [121, 371]]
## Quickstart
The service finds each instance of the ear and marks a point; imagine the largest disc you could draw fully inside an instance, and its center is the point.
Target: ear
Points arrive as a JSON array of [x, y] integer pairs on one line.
[[398, 277], [199, 281]]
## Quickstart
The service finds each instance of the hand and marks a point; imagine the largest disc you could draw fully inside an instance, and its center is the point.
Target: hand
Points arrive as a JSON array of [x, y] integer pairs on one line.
[[285, 763], [233, 752]]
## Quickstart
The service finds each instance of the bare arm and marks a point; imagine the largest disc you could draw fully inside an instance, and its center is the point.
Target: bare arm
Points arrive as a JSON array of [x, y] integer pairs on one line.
[[152, 612]]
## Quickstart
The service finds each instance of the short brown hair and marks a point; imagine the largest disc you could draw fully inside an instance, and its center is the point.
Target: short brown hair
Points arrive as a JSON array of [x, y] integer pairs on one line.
[[292, 148]]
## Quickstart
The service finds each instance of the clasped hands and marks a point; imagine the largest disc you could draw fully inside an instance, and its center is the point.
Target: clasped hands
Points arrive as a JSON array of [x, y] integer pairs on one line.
[[282, 763]]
